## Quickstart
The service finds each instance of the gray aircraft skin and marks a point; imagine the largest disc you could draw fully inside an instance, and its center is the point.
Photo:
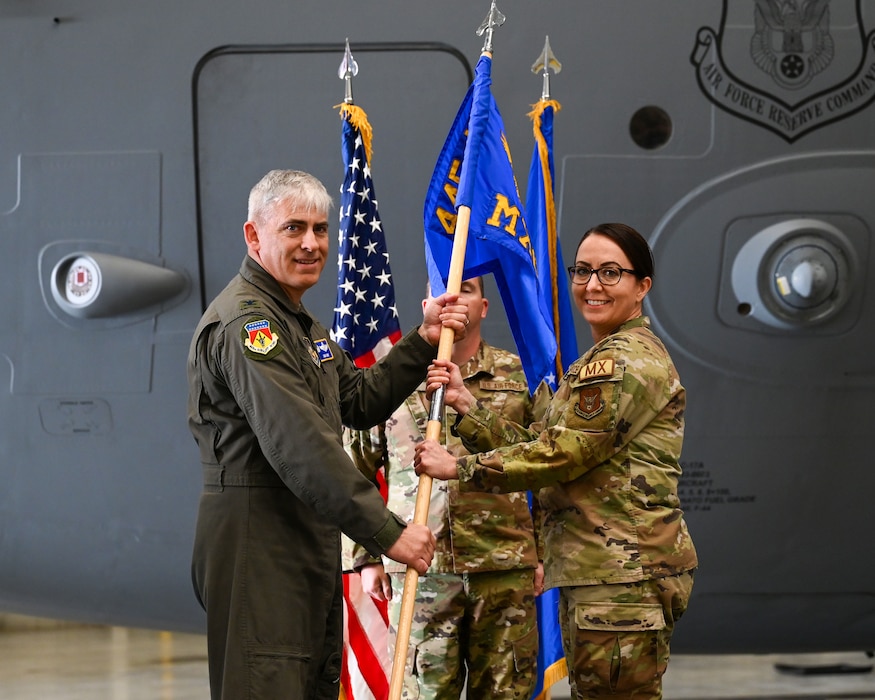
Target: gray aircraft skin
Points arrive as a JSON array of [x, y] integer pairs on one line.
[[738, 136]]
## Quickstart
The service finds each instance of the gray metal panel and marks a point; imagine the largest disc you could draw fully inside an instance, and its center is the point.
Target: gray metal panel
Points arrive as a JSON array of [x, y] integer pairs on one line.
[[99, 471], [272, 108], [85, 198]]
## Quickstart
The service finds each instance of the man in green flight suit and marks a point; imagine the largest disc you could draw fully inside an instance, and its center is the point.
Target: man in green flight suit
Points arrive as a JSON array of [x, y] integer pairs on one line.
[[268, 394]]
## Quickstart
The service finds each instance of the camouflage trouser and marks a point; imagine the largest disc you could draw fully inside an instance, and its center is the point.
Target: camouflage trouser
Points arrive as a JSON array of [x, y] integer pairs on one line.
[[485, 622], [616, 636]]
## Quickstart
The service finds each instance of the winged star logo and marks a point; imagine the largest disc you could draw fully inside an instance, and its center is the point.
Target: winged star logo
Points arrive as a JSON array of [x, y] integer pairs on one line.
[[791, 41], [791, 66]]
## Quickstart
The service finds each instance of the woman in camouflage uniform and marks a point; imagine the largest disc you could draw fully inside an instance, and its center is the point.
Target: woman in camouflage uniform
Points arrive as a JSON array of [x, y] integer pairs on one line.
[[605, 456]]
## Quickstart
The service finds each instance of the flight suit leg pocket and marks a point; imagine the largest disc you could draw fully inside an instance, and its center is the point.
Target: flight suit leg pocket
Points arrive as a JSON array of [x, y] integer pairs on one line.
[[328, 685], [619, 647], [278, 670]]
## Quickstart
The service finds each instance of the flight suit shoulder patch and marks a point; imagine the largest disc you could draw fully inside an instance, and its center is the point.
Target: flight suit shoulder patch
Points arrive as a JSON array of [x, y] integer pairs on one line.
[[496, 385], [260, 338]]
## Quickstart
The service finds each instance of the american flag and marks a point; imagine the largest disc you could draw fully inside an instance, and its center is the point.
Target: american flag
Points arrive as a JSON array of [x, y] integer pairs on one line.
[[365, 325], [366, 317]]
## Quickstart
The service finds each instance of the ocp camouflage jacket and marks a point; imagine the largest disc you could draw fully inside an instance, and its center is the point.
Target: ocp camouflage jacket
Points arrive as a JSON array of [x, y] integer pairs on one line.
[[606, 458], [474, 531]]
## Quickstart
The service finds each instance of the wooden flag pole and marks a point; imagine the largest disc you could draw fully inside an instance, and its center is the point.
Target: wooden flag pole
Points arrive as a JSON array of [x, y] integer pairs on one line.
[[432, 432], [435, 415]]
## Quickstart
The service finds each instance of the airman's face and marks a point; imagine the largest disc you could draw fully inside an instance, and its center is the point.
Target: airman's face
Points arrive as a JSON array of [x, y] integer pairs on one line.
[[291, 244], [478, 305], [604, 307]]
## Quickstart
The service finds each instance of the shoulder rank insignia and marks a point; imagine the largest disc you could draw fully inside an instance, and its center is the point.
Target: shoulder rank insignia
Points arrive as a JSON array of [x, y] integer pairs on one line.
[[597, 368], [324, 349], [259, 337]]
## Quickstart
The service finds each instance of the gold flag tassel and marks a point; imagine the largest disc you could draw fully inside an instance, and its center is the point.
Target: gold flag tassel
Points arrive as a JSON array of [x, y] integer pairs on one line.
[[357, 117]]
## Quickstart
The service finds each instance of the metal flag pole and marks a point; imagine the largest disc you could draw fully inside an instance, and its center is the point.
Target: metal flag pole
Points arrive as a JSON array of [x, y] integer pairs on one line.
[[436, 410], [348, 68], [543, 64]]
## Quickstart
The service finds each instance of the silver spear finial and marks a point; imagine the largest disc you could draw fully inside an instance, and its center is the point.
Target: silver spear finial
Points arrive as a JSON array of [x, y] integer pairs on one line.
[[493, 19], [348, 68], [545, 62]]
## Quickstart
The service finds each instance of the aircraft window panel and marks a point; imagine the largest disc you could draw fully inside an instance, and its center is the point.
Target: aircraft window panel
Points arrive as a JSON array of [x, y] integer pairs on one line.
[[727, 254], [651, 127]]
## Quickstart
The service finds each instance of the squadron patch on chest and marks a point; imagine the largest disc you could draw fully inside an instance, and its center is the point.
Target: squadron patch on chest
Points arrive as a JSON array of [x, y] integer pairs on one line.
[[311, 350], [260, 340], [590, 404], [323, 349]]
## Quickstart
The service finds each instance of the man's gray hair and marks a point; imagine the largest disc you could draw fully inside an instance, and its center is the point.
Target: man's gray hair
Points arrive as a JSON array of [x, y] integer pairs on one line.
[[304, 189]]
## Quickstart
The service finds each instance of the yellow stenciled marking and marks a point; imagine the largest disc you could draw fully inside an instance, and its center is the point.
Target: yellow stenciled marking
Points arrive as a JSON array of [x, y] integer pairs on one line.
[[783, 285]]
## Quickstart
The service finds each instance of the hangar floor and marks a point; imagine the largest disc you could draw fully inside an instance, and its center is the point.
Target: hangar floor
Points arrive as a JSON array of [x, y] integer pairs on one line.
[[72, 662]]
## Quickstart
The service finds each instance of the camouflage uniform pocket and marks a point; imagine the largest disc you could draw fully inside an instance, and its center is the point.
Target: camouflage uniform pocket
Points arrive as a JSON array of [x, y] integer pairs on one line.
[[619, 648], [623, 617], [525, 651]]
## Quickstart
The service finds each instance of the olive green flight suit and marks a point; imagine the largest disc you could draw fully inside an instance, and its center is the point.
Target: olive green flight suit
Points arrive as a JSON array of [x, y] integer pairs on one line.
[[268, 394]]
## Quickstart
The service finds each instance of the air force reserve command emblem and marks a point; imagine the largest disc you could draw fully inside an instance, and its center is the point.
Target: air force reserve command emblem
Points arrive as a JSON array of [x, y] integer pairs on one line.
[[260, 340], [791, 66]]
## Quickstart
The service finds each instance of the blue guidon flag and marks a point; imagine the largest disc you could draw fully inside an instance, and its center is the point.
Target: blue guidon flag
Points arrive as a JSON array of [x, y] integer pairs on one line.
[[474, 169], [541, 215]]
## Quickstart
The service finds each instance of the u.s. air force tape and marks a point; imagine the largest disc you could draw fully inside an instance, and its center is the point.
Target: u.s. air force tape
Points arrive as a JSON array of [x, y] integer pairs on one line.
[[496, 385]]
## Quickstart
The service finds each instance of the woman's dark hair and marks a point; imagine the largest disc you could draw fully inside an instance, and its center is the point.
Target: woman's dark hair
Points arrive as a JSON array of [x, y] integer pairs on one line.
[[632, 243]]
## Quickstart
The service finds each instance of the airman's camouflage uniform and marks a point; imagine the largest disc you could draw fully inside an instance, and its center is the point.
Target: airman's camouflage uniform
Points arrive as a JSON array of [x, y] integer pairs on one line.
[[606, 458], [476, 606]]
